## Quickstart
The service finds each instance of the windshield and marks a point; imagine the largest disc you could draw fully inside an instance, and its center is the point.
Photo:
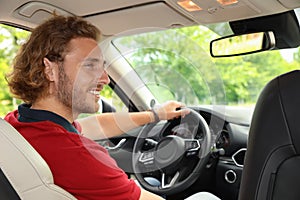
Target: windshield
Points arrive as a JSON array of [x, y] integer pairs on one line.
[[176, 64]]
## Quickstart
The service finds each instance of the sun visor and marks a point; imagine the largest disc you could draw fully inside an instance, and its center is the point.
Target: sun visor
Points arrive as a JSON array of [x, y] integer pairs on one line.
[[284, 25], [137, 17]]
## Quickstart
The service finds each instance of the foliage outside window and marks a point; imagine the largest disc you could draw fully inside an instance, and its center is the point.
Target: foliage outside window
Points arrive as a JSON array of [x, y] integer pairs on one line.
[[178, 61], [10, 40]]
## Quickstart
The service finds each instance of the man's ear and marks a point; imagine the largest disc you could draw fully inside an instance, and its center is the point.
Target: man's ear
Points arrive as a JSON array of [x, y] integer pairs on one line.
[[50, 68]]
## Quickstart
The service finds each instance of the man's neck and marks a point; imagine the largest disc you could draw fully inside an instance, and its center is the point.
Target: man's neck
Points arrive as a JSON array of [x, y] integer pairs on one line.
[[55, 106]]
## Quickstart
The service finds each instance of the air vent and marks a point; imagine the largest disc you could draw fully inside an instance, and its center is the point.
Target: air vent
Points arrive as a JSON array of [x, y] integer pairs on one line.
[[223, 140]]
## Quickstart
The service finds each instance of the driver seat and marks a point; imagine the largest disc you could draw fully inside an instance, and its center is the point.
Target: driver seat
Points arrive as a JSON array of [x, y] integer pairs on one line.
[[272, 162], [23, 172]]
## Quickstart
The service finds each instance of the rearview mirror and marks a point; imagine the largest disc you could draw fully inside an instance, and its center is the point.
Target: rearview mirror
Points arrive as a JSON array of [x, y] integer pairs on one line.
[[235, 45]]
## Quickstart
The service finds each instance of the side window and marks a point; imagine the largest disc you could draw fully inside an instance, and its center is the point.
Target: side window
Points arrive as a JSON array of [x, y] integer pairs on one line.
[[111, 101], [11, 39]]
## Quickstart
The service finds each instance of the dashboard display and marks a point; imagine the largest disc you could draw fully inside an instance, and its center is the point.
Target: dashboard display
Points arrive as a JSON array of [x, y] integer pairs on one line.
[[188, 131], [182, 131]]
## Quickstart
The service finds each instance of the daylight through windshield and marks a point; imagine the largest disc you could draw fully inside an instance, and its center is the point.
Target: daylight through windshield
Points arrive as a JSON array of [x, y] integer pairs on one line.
[[175, 64]]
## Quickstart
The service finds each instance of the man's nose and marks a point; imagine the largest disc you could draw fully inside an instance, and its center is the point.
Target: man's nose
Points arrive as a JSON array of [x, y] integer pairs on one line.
[[104, 78]]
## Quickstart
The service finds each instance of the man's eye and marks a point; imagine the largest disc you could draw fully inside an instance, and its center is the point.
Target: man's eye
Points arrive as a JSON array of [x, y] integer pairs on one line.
[[89, 65]]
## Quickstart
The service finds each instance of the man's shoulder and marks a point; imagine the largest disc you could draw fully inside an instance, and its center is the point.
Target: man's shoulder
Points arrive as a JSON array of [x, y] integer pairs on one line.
[[11, 117]]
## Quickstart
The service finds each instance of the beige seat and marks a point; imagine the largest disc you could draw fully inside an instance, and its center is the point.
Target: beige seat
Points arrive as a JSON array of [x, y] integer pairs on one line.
[[24, 170]]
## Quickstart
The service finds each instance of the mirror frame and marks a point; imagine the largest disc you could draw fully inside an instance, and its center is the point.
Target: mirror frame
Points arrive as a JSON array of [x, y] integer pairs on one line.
[[267, 44]]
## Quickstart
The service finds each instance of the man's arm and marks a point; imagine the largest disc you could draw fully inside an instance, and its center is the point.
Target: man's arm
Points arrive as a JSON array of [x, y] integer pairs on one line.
[[108, 125]]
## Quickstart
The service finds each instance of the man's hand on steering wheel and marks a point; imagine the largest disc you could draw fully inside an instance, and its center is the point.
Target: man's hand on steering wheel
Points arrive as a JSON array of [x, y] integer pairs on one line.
[[170, 110]]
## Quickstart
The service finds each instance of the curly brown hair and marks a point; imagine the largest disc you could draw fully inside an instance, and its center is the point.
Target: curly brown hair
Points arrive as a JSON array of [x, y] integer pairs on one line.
[[49, 40]]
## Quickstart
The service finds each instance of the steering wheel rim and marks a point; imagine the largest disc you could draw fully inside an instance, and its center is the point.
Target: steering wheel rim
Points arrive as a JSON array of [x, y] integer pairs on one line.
[[177, 185]]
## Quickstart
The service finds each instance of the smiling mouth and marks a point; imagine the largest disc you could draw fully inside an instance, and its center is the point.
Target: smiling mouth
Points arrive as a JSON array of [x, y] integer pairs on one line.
[[94, 92], [96, 89]]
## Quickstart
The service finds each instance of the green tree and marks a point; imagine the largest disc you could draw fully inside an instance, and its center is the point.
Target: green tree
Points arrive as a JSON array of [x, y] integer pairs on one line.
[[297, 56], [160, 57], [176, 59], [10, 40], [239, 78]]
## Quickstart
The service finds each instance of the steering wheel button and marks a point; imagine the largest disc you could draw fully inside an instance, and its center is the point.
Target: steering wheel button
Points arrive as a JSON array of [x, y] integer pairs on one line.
[[191, 153], [146, 156], [188, 145], [149, 162]]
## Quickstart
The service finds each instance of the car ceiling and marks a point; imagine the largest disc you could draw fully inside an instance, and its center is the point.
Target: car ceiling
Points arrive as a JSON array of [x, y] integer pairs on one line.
[[119, 16]]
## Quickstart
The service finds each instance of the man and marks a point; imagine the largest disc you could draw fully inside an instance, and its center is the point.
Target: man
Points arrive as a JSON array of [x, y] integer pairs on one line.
[[59, 73]]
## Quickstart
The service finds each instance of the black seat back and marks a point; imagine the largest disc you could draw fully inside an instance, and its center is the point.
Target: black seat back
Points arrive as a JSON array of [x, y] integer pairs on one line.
[[272, 163], [6, 190]]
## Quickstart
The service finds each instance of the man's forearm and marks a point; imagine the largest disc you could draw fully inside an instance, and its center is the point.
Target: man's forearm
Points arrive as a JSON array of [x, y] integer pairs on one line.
[[108, 125]]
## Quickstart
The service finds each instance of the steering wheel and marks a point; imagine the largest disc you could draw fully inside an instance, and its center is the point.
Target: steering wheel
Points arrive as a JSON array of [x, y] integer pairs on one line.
[[174, 160]]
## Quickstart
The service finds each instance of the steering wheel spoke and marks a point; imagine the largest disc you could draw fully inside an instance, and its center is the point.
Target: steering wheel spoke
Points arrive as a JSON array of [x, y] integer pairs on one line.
[[192, 146], [173, 181]]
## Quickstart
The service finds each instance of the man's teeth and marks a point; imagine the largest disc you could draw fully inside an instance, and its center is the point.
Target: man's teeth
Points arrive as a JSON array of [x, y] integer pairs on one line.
[[94, 92]]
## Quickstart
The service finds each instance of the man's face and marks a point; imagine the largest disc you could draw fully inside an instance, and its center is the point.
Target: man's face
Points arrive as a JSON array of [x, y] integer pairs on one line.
[[82, 76]]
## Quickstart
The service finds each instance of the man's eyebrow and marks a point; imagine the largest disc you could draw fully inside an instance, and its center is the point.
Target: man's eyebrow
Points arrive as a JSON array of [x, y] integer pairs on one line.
[[92, 60]]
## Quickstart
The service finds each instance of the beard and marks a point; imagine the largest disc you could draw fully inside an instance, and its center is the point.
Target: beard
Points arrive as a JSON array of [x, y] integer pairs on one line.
[[73, 96]]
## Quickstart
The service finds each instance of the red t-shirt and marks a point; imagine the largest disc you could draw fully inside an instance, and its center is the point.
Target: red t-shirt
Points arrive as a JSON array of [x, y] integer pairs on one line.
[[78, 164]]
